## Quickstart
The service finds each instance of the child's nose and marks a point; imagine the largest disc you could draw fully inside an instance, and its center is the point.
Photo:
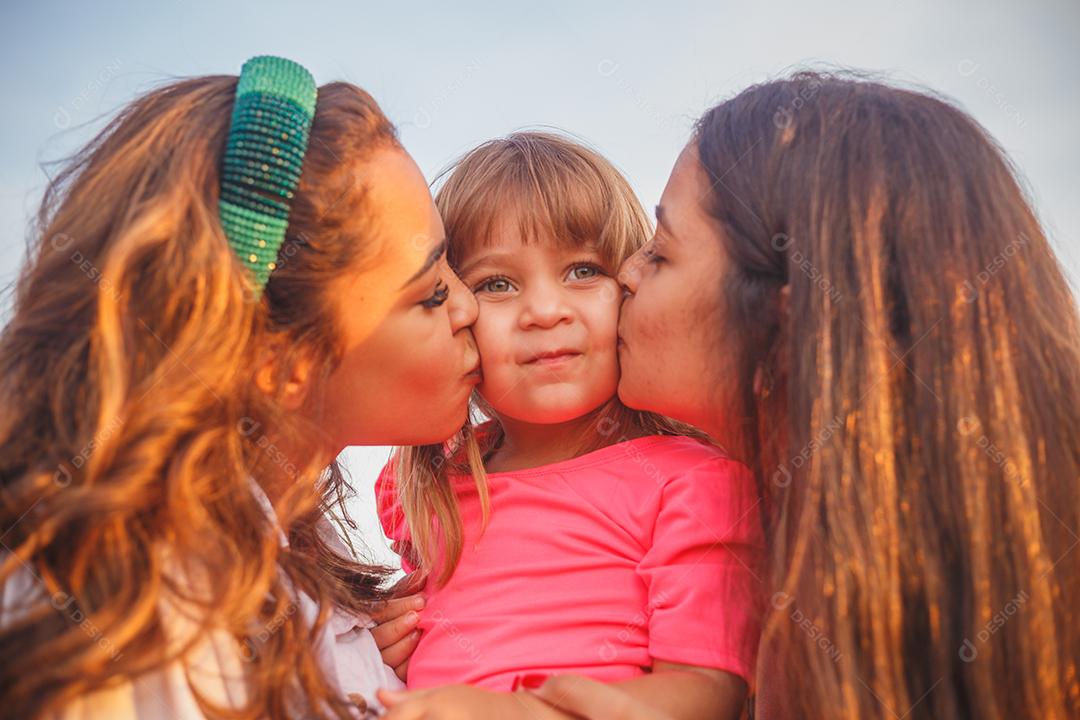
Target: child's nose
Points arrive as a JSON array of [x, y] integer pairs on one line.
[[544, 308]]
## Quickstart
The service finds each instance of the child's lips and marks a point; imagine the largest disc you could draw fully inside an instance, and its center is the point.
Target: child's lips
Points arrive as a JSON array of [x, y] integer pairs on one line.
[[554, 357]]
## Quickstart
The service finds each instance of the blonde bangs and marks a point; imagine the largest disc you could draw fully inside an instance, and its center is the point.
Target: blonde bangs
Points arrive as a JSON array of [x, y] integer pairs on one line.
[[546, 187]]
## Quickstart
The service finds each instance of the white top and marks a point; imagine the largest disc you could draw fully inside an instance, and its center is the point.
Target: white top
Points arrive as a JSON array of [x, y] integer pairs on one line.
[[345, 648]]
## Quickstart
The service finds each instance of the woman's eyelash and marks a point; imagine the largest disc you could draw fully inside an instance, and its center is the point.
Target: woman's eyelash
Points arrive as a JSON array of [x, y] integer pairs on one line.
[[442, 292], [653, 257]]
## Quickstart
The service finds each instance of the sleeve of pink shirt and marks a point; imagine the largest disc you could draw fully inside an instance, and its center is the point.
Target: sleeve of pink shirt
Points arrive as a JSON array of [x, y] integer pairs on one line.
[[702, 570], [392, 516]]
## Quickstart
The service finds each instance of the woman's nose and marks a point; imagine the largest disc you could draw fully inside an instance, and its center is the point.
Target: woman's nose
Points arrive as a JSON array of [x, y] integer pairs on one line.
[[630, 272], [463, 308]]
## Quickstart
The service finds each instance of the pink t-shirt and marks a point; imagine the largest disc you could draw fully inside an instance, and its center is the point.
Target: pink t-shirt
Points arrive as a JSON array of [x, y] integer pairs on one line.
[[647, 549]]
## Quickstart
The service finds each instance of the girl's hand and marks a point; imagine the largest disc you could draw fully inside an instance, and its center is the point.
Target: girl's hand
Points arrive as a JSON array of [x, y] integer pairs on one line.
[[456, 702], [396, 634], [584, 697]]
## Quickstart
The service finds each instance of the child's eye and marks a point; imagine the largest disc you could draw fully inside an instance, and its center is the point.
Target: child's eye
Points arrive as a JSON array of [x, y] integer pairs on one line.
[[442, 292], [584, 271], [495, 284]]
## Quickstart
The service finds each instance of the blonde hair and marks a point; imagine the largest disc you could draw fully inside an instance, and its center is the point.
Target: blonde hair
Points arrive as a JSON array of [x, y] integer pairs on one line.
[[557, 190], [129, 413]]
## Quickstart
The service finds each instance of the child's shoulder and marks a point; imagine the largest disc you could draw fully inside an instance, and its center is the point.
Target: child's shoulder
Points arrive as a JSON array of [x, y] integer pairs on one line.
[[681, 459], [700, 478], [681, 450]]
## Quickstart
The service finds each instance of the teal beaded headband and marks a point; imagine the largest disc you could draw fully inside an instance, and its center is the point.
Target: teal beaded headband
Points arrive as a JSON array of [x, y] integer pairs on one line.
[[268, 138]]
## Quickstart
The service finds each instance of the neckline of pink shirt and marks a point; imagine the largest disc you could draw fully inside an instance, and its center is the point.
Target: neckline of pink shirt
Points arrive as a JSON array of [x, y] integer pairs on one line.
[[589, 459]]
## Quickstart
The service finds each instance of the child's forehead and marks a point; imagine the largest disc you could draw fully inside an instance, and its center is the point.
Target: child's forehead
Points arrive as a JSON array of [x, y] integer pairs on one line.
[[513, 233], [565, 217], [507, 248]]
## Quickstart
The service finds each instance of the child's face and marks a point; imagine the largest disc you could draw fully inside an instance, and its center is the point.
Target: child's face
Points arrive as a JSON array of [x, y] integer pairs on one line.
[[547, 327]]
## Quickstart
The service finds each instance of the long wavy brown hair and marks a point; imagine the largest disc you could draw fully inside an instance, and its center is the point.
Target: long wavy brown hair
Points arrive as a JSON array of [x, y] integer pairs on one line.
[[918, 405], [131, 424], [556, 190]]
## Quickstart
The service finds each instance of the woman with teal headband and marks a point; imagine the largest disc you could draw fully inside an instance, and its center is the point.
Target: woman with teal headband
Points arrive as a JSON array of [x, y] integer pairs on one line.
[[234, 281]]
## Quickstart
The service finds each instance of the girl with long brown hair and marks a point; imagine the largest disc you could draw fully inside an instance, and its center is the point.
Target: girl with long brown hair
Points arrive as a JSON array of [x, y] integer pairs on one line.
[[169, 428], [906, 383]]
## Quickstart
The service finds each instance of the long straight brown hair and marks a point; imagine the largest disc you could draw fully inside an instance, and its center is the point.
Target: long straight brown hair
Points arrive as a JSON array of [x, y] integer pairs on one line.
[[130, 424], [921, 439]]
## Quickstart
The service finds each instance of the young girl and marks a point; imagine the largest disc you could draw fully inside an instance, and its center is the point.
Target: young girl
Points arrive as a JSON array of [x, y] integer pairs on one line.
[[200, 329], [614, 547]]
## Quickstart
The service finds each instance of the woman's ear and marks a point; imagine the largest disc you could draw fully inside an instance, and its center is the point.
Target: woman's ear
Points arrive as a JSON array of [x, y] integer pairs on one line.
[[784, 303], [290, 390]]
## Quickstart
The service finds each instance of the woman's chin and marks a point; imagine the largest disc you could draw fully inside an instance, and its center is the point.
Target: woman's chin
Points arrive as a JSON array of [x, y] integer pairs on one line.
[[628, 394], [441, 431]]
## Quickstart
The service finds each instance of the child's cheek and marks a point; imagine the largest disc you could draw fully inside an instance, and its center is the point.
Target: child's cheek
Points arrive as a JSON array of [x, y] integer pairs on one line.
[[495, 337], [602, 318]]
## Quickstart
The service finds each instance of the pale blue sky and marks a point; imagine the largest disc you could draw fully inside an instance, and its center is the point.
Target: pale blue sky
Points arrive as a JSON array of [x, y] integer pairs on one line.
[[627, 77]]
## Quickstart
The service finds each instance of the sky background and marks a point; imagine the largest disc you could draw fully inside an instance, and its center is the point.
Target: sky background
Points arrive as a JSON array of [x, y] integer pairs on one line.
[[629, 78]]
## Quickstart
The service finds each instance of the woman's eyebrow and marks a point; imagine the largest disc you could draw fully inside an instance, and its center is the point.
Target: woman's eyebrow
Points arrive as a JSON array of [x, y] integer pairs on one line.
[[661, 220], [436, 254]]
